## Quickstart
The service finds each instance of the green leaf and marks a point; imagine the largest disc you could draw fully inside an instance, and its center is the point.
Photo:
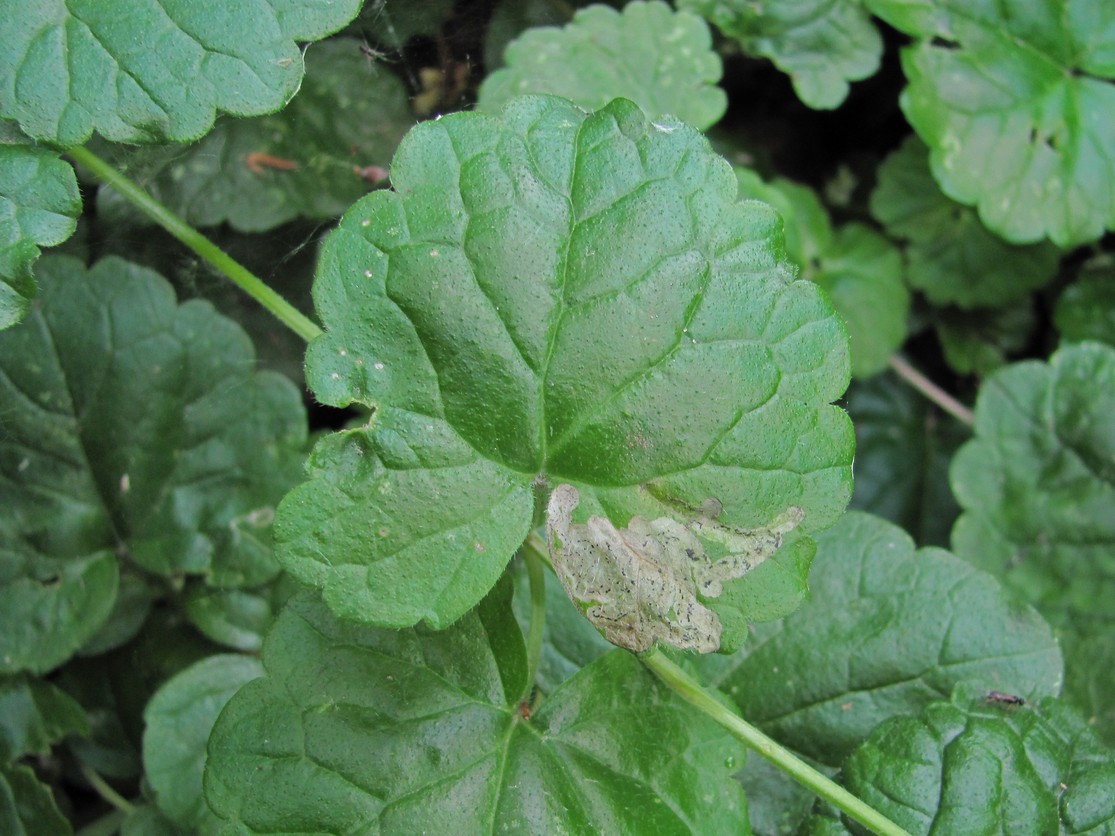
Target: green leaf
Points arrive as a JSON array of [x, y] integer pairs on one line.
[[179, 718], [886, 630], [27, 807], [1037, 482], [567, 297], [159, 73], [1090, 674], [903, 450], [1015, 102], [134, 596], [820, 44], [412, 731], [983, 765], [952, 258], [980, 341], [120, 431], [39, 203], [313, 159], [1086, 309], [859, 269], [660, 59], [236, 618], [34, 715]]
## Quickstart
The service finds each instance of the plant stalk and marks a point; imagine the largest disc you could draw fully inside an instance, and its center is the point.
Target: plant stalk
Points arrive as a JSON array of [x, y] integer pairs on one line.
[[932, 391], [692, 691], [536, 572], [105, 791], [239, 275]]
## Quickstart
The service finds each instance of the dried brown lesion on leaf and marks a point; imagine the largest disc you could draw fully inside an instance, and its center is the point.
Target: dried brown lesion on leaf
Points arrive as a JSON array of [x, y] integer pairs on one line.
[[639, 585]]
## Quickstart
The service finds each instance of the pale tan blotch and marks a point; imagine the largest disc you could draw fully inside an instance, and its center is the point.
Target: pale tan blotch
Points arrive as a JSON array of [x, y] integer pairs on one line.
[[639, 585]]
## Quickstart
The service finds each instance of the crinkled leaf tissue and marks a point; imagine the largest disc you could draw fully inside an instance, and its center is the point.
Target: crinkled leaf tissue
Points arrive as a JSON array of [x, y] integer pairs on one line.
[[639, 585]]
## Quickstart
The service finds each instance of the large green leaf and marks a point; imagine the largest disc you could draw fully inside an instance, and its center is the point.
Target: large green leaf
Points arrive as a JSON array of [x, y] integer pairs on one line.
[[557, 296], [980, 341], [27, 807], [886, 631], [859, 269], [313, 159], [952, 257], [152, 70], [984, 764], [38, 206], [412, 731], [178, 721], [658, 58], [1086, 309], [821, 44], [1037, 485], [122, 431], [1015, 102]]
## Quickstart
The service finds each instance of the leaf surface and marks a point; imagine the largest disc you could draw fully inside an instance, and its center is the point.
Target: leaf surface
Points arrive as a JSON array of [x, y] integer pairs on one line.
[[179, 718], [34, 715], [122, 431], [1016, 104], [568, 297], [418, 731], [160, 72], [821, 45], [27, 806], [658, 58], [39, 203], [952, 258], [1086, 309], [979, 764], [886, 630], [313, 159]]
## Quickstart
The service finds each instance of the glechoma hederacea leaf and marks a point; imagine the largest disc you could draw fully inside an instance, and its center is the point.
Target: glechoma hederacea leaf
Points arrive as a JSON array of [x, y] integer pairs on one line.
[[660, 59], [988, 761], [1016, 102], [159, 72], [568, 297], [414, 731], [887, 629], [39, 203], [120, 434]]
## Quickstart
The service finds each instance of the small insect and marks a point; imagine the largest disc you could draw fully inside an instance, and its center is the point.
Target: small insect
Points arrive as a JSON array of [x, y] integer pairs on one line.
[[999, 698], [524, 710], [257, 161]]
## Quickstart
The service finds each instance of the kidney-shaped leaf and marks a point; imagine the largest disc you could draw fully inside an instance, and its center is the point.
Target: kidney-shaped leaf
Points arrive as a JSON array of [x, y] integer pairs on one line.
[[565, 297], [412, 731], [152, 70], [887, 630], [1016, 103], [129, 423], [988, 762], [661, 59]]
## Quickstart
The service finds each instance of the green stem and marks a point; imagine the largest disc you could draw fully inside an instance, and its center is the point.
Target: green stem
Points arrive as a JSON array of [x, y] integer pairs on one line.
[[536, 572], [691, 690], [105, 791], [290, 316]]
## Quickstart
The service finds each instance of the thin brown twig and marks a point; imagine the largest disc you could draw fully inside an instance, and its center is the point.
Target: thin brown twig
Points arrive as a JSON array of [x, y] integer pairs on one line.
[[932, 391]]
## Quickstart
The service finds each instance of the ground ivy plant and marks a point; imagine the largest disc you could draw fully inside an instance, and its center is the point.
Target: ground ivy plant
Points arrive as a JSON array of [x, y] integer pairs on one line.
[[555, 528]]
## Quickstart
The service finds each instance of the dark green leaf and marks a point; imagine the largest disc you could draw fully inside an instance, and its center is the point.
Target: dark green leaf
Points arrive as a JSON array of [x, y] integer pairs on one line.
[[317, 156], [134, 597], [39, 202], [122, 432], [660, 59], [821, 45], [952, 258], [160, 72], [179, 718], [27, 807], [1015, 102], [903, 450], [1086, 310], [569, 297], [34, 715], [983, 764], [411, 731], [237, 618], [887, 630], [979, 342]]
